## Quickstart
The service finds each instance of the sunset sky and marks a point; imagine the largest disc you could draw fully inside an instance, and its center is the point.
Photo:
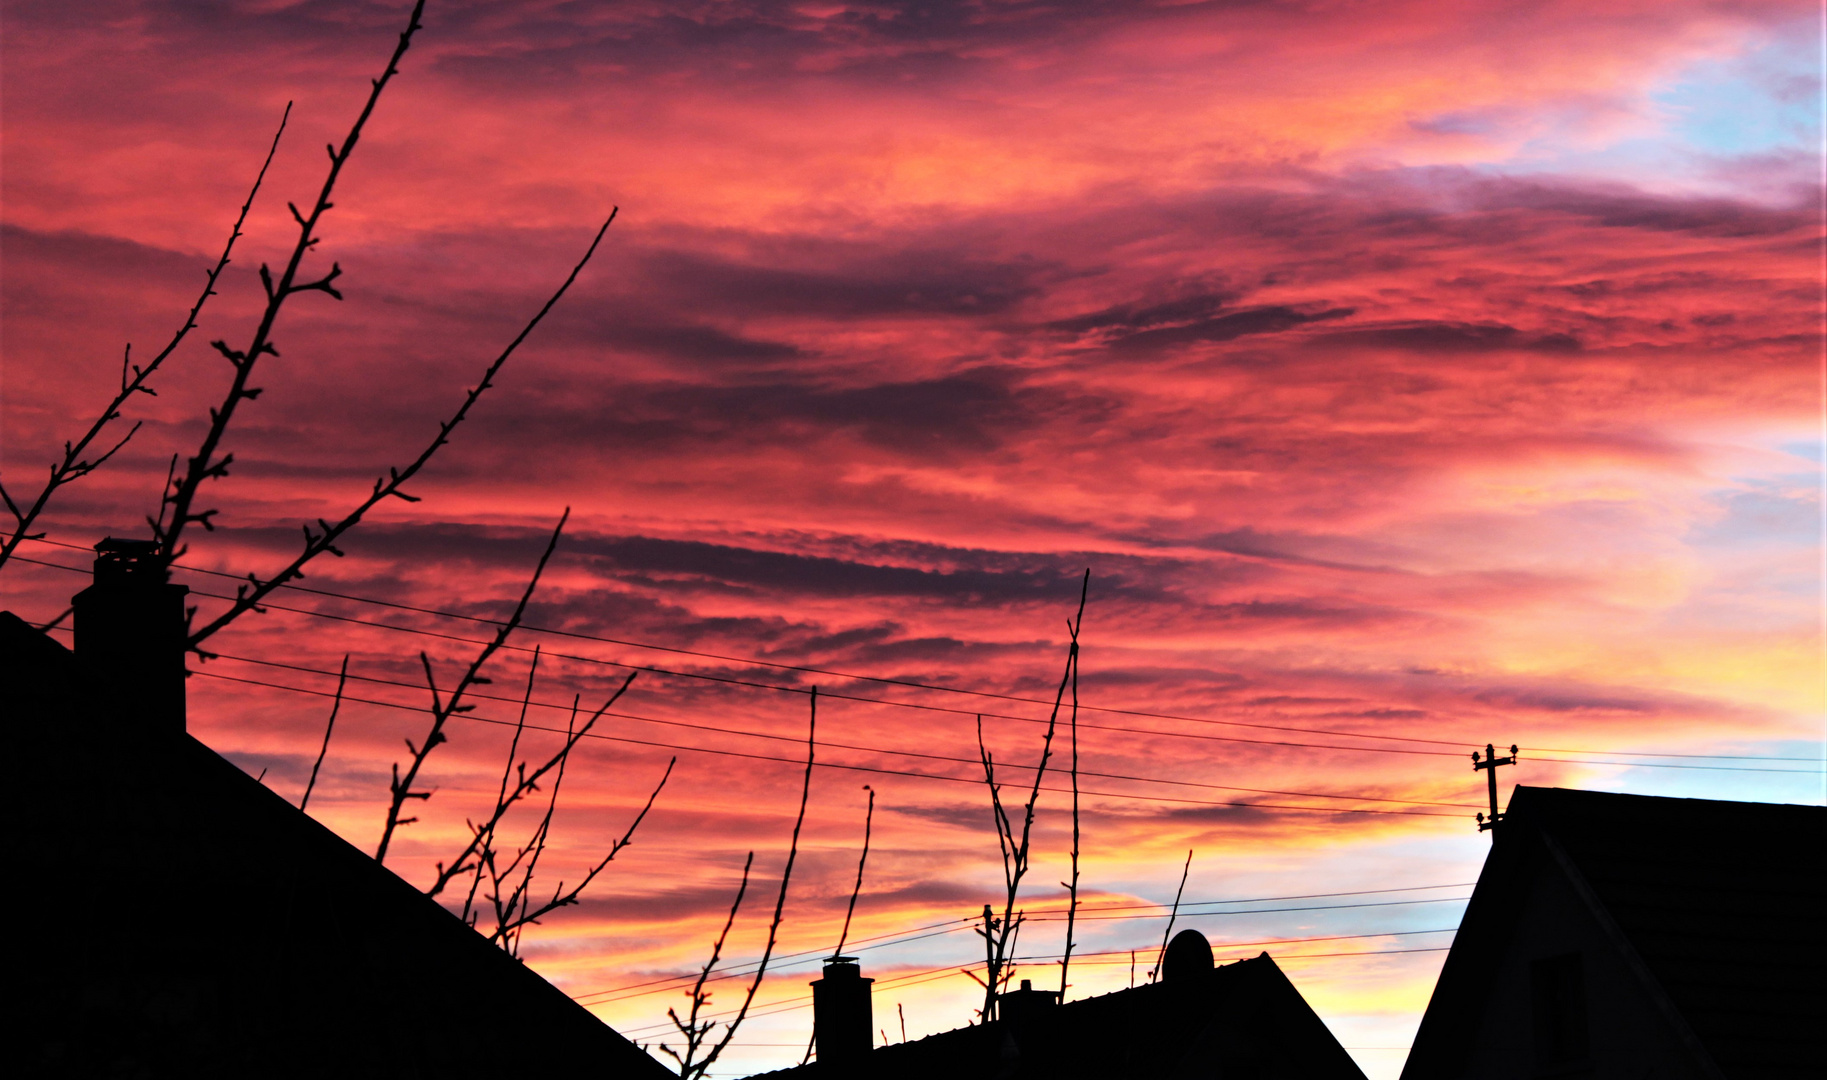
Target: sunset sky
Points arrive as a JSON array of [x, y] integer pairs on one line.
[[1409, 375]]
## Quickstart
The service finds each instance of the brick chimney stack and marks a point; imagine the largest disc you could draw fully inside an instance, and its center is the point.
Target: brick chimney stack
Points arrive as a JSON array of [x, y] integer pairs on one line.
[[130, 640], [843, 1016]]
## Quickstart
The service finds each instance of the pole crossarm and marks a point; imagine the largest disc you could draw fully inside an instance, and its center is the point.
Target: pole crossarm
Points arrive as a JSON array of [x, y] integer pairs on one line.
[[1489, 765]]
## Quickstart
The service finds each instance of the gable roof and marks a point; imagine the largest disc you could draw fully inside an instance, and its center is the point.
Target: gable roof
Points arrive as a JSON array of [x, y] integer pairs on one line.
[[1719, 906], [188, 921], [1245, 1015]]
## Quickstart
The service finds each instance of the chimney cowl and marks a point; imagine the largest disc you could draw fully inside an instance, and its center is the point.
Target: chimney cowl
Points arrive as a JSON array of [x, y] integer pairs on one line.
[[129, 562]]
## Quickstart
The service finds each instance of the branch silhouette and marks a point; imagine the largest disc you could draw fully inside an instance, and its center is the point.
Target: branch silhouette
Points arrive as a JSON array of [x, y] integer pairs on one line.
[[336, 706], [180, 498], [74, 465], [443, 708], [1065, 960], [249, 596], [695, 1030], [1000, 933], [696, 1033], [518, 911], [1173, 916]]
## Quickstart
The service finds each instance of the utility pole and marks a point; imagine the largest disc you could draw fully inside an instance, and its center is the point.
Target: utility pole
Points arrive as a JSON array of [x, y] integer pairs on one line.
[[1489, 765]]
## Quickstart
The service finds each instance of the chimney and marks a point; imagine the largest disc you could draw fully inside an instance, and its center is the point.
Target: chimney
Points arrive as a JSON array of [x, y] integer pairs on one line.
[[843, 1018], [1020, 1006], [130, 634]]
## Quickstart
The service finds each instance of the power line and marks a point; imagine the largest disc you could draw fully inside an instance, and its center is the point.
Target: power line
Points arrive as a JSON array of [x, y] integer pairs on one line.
[[934, 974], [751, 684], [908, 705], [661, 986], [1262, 911], [686, 980], [754, 662], [1263, 899], [1223, 945], [564, 707], [950, 926], [835, 765]]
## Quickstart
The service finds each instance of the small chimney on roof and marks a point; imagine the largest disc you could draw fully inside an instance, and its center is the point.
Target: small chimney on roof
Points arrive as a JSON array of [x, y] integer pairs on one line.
[[1020, 1006], [130, 636], [843, 1017]]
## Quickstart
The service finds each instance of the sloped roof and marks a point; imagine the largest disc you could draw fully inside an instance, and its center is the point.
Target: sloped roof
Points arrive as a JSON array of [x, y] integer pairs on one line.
[[1245, 1014], [187, 921], [1724, 902]]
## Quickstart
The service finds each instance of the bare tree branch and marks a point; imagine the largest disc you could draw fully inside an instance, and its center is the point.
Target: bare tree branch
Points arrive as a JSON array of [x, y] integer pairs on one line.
[[1065, 962], [507, 932], [694, 1030], [1161, 960], [205, 465], [335, 707], [74, 466], [862, 860], [482, 836], [443, 709], [689, 1067], [999, 933], [324, 540]]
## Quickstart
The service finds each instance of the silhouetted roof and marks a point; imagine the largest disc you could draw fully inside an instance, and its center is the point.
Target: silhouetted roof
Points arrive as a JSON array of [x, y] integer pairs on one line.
[[1724, 902], [187, 921], [1245, 1017]]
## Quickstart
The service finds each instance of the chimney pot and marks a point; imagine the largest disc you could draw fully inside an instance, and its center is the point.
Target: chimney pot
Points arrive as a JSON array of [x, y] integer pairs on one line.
[[130, 637]]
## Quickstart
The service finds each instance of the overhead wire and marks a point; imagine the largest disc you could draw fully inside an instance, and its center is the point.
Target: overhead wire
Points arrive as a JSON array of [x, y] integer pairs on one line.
[[951, 925], [931, 930], [836, 765], [757, 662], [565, 707], [804, 1001]]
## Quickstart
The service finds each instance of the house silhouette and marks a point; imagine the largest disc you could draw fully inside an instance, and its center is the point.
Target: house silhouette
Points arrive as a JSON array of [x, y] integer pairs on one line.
[[1239, 1021], [1637, 937], [180, 919]]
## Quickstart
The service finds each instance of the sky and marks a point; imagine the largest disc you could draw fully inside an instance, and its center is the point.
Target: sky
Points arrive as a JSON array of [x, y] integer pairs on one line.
[[1409, 376]]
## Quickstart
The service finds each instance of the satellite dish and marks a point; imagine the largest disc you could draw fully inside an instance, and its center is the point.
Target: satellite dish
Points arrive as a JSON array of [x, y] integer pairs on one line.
[[1189, 956]]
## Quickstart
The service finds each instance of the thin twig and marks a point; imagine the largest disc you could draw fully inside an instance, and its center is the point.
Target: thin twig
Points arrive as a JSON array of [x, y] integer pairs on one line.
[[1065, 961], [563, 897], [780, 902], [868, 824], [482, 837], [855, 891], [205, 466], [506, 930], [1161, 960], [999, 934], [248, 597], [73, 467], [443, 709], [691, 1028], [335, 707]]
